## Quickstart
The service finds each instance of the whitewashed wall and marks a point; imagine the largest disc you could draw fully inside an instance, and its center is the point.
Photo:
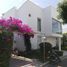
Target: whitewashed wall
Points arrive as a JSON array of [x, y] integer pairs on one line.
[[36, 12], [18, 42], [51, 40], [12, 12], [47, 21]]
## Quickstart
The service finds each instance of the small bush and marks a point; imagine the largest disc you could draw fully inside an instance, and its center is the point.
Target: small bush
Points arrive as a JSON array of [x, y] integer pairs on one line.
[[60, 53], [64, 47]]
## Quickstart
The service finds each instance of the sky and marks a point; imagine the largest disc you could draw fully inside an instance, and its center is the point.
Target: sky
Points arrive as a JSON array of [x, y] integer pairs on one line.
[[64, 28], [5, 5]]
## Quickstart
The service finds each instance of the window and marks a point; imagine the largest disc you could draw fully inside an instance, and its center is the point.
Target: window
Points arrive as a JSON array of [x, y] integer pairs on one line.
[[29, 15], [56, 26], [39, 24]]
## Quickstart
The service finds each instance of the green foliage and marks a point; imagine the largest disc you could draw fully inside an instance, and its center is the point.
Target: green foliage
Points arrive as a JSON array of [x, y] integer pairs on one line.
[[5, 47], [62, 9], [64, 47], [64, 37], [64, 42]]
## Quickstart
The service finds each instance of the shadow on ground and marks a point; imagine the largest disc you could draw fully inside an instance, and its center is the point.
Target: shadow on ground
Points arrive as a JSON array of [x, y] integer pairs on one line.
[[18, 63], [63, 63]]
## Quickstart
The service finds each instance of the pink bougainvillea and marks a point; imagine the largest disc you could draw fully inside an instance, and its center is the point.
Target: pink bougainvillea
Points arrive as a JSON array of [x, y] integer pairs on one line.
[[16, 24]]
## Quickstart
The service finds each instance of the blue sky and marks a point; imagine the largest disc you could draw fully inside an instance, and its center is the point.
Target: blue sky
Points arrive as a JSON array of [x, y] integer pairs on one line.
[[5, 5]]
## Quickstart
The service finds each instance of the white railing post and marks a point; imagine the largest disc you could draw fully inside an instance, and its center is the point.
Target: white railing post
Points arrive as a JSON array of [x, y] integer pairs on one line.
[[59, 44]]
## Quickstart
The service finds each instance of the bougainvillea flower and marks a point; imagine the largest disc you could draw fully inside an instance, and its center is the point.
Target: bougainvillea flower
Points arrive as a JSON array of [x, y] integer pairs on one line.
[[16, 24]]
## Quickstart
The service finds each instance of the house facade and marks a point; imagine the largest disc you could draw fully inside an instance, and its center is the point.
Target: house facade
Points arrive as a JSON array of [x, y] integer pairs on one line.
[[41, 21]]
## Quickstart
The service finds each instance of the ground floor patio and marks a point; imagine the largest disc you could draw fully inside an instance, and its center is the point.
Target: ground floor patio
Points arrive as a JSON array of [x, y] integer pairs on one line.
[[18, 61]]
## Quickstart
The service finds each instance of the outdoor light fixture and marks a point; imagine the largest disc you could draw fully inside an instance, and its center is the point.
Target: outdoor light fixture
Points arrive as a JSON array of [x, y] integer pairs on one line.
[[43, 39]]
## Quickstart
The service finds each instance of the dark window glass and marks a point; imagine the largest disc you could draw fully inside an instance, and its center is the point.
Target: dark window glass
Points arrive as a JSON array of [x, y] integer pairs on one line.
[[39, 24]]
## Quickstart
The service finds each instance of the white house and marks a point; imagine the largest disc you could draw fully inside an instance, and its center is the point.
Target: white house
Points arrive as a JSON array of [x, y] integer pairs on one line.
[[40, 20]]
